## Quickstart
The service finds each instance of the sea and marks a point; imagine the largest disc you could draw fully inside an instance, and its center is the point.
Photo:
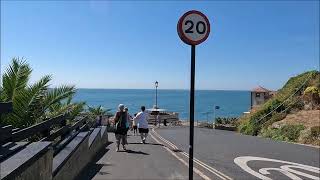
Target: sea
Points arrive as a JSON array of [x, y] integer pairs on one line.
[[230, 103]]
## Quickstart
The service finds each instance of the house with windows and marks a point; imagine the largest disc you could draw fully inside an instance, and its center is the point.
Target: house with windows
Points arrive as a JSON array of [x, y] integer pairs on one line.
[[260, 95]]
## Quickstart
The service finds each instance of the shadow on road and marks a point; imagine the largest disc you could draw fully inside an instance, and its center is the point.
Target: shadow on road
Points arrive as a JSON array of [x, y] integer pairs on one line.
[[155, 144], [176, 150], [136, 152]]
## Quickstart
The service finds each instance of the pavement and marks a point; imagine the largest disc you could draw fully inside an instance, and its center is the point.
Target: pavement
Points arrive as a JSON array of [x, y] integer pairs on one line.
[[140, 161], [218, 154]]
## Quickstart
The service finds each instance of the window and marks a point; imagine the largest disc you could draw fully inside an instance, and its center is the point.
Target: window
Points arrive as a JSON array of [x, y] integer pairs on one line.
[[257, 94]]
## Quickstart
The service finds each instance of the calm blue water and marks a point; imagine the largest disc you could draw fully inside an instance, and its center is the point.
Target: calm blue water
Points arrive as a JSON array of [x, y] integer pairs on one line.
[[232, 103]]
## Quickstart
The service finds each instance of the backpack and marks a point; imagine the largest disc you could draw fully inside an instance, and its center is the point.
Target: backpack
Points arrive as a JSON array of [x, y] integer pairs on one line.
[[121, 124]]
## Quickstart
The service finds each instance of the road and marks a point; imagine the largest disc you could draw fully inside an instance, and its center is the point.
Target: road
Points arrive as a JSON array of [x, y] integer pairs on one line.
[[218, 149], [218, 155]]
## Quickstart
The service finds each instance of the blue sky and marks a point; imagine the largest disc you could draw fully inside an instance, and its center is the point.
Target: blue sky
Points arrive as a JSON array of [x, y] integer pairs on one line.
[[109, 44]]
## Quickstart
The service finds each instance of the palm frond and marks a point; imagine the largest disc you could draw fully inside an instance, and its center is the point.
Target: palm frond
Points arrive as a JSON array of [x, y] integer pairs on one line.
[[55, 95], [15, 78]]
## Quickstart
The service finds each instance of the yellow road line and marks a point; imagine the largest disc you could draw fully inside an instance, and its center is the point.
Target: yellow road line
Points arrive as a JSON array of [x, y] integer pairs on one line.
[[197, 171], [204, 165]]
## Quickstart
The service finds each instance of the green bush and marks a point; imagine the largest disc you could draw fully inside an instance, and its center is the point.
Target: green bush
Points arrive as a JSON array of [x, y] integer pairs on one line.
[[253, 123], [312, 94], [312, 90], [226, 120], [291, 132], [275, 118], [315, 131], [286, 133]]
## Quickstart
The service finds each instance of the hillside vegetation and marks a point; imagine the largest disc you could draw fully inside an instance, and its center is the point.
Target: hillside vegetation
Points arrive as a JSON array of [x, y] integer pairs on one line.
[[300, 93]]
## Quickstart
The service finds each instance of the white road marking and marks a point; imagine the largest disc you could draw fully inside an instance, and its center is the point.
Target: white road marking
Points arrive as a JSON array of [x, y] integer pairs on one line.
[[202, 164], [285, 169], [181, 160]]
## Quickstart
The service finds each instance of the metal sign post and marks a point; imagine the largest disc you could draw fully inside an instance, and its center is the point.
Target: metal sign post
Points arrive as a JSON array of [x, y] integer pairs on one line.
[[193, 28], [193, 67]]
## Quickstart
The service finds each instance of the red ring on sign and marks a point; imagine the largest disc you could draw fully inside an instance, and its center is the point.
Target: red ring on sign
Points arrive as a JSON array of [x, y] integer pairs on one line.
[[185, 38]]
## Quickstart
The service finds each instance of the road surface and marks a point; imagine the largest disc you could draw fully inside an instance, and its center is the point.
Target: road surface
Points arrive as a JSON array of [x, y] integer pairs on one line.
[[227, 153], [218, 155]]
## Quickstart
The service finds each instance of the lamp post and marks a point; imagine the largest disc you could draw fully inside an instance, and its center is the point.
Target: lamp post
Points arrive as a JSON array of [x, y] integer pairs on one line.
[[156, 84]]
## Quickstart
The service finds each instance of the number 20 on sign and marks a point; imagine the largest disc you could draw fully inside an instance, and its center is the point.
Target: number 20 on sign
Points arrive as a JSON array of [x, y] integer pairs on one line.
[[193, 28]]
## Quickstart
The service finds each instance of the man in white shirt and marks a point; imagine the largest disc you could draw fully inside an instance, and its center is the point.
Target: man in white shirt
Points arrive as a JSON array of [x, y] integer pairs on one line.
[[142, 121]]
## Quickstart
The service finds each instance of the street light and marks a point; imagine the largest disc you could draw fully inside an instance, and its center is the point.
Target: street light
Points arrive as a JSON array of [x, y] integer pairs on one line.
[[156, 84]]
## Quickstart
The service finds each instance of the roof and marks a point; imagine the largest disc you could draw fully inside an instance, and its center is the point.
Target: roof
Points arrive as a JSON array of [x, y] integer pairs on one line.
[[260, 89]]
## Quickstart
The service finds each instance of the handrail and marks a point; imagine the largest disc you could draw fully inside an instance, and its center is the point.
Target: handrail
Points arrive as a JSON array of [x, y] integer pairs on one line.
[[43, 127], [8, 134]]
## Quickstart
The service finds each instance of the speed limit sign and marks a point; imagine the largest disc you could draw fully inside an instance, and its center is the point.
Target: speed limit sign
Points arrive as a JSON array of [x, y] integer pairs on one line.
[[193, 27]]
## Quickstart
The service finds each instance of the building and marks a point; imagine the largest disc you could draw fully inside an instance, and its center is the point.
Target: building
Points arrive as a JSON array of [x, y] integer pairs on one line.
[[259, 96]]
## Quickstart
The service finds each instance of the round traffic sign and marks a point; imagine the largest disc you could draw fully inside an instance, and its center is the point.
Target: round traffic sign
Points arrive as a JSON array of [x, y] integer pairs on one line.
[[193, 27]]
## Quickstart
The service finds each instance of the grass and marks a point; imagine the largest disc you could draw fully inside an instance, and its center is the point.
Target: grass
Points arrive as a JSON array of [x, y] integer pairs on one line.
[[289, 133], [286, 99]]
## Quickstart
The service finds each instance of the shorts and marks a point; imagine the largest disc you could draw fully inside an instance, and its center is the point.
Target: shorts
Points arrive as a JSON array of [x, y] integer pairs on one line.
[[135, 127], [143, 130]]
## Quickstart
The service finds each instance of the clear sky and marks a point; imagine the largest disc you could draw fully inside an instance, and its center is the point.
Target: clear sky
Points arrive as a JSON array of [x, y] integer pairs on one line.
[[109, 44]]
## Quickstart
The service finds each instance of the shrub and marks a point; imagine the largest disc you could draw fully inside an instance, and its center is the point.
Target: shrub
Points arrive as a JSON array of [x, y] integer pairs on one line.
[[310, 136], [286, 133], [315, 132], [312, 94], [275, 118], [291, 132], [252, 124], [226, 120]]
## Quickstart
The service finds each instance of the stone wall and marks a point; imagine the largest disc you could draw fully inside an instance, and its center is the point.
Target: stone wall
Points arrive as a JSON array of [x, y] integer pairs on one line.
[[75, 163], [66, 165], [41, 169]]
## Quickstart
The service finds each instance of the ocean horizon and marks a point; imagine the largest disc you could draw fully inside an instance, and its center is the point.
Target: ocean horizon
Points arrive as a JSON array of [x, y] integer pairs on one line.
[[232, 103]]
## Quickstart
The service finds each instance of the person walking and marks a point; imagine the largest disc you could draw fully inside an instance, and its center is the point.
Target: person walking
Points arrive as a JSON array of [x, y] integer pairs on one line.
[[142, 120], [120, 120], [134, 126], [158, 119], [129, 118]]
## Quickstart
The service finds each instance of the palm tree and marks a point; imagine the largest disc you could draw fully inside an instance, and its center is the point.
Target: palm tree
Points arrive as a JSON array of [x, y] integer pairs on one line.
[[72, 108], [32, 102], [99, 111]]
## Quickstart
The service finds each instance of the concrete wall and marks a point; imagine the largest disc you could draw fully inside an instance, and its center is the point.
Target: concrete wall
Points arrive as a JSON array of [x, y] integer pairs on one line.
[[41, 169], [82, 157], [76, 162]]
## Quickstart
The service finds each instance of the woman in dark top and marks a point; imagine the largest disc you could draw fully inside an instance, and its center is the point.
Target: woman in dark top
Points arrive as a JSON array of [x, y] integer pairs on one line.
[[120, 121]]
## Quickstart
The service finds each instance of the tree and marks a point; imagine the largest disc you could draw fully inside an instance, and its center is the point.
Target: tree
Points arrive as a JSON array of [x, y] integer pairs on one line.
[[32, 102], [99, 111]]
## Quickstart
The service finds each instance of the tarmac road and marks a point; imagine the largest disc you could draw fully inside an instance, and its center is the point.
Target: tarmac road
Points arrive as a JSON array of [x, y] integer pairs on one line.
[[227, 153]]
